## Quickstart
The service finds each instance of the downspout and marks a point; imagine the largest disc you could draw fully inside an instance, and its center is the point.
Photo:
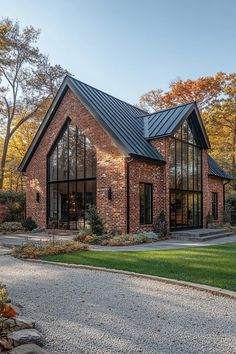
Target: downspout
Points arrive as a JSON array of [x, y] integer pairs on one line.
[[127, 196]]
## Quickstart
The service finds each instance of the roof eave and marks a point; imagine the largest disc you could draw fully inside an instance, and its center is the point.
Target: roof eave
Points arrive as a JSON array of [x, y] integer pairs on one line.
[[148, 159]]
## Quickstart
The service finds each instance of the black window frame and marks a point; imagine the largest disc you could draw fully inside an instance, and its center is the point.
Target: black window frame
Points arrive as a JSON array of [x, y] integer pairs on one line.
[[145, 212], [68, 181], [215, 205], [185, 182]]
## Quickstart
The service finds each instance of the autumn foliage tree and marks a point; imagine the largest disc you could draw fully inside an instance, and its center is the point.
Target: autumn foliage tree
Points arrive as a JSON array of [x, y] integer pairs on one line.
[[216, 99], [28, 84]]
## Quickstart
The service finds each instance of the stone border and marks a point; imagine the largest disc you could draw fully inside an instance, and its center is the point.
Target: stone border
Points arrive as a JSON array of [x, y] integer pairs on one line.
[[210, 289]]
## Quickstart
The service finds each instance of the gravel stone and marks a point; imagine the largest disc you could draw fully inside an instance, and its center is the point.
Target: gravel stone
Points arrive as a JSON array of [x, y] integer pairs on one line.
[[25, 336], [28, 349], [87, 311]]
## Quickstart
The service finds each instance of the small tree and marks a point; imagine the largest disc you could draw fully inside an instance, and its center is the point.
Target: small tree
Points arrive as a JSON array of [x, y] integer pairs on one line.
[[28, 82], [94, 221], [160, 225]]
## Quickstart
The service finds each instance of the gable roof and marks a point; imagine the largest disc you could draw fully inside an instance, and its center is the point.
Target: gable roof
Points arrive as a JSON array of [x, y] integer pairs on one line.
[[166, 122], [118, 118], [215, 170], [130, 127]]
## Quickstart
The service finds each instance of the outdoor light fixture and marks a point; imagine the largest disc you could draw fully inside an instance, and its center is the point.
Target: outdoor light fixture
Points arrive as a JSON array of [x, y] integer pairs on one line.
[[37, 197], [109, 193]]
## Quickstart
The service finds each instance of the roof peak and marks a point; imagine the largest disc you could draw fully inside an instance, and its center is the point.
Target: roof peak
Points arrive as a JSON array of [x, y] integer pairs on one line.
[[168, 109], [106, 93]]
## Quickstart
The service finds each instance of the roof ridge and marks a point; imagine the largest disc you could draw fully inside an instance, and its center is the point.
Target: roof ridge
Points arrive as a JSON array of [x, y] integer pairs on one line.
[[166, 109], [108, 94]]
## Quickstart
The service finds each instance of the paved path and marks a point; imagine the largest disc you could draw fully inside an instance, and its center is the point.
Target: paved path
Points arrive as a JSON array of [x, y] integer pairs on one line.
[[11, 240], [84, 311], [168, 244]]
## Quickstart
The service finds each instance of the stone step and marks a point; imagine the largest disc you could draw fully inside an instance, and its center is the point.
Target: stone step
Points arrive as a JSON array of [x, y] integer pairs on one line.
[[198, 232], [201, 238]]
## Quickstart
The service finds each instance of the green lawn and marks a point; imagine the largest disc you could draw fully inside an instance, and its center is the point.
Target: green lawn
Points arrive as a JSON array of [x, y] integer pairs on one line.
[[215, 265]]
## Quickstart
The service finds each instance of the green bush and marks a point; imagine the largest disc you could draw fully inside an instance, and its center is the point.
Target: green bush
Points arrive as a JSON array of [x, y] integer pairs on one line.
[[94, 221], [15, 201], [11, 226], [160, 225], [29, 224], [83, 233]]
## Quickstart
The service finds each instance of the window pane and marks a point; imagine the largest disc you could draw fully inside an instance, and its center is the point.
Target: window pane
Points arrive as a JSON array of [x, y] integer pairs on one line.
[[53, 204], [172, 209], [142, 202], [172, 163], [63, 204], [178, 165], [190, 167], [178, 134], [90, 193], [185, 165], [72, 152], [190, 209], [80, 203], [185, 131], [148, 204], [72, 206], [63, 157], [80, 156], [53, 165], [90, 159]]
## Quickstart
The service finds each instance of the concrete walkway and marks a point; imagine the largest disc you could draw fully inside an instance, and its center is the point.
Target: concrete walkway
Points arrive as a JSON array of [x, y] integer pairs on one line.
[[18, 239], [165, 245]]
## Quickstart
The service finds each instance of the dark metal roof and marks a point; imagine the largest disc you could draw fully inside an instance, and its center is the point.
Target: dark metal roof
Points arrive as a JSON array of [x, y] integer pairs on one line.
[[167, 121], [117, 117], [215, 170]]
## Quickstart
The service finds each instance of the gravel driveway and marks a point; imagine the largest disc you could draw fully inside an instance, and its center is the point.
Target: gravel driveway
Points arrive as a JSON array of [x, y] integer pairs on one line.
[[84, 311]]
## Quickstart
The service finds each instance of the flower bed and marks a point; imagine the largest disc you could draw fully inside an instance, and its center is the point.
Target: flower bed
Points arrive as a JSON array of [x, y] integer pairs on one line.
[[39, 249]]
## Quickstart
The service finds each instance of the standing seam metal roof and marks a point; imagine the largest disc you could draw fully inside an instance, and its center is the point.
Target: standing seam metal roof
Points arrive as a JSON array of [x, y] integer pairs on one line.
[[215, 170], [121, 118]]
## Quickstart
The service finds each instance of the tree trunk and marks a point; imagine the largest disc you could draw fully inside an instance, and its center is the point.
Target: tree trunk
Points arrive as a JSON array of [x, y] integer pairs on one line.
[[4, 158]]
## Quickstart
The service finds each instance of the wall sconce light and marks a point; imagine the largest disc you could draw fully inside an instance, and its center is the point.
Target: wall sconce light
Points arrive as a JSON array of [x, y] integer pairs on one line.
[[109, 193], [37, 197]]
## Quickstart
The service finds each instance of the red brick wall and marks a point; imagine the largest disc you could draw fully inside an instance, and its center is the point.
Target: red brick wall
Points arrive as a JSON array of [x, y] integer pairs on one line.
[[146, 172], [110, 166], [216, 185]]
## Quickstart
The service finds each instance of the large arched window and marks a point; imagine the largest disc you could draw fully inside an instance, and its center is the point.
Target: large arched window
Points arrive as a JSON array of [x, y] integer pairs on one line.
[[185, 178], [71, 178]]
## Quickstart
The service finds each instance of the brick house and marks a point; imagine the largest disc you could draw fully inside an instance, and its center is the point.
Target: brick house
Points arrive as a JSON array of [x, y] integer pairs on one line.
[[93, 148]]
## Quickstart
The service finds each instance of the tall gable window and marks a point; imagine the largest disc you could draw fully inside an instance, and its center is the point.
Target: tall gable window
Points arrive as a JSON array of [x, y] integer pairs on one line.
[[185, 178], [71, 178]]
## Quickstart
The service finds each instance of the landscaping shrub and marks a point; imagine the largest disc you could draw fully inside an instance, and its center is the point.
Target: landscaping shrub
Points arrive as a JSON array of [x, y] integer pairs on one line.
[[29, 224], [94, 220], [15, 202], [11, 226], [39, 249], [123, 240], [160, 225], [83, 233]]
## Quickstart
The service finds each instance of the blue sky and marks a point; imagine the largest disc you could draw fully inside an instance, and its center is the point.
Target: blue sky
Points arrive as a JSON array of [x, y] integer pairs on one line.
[[129, 47]]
